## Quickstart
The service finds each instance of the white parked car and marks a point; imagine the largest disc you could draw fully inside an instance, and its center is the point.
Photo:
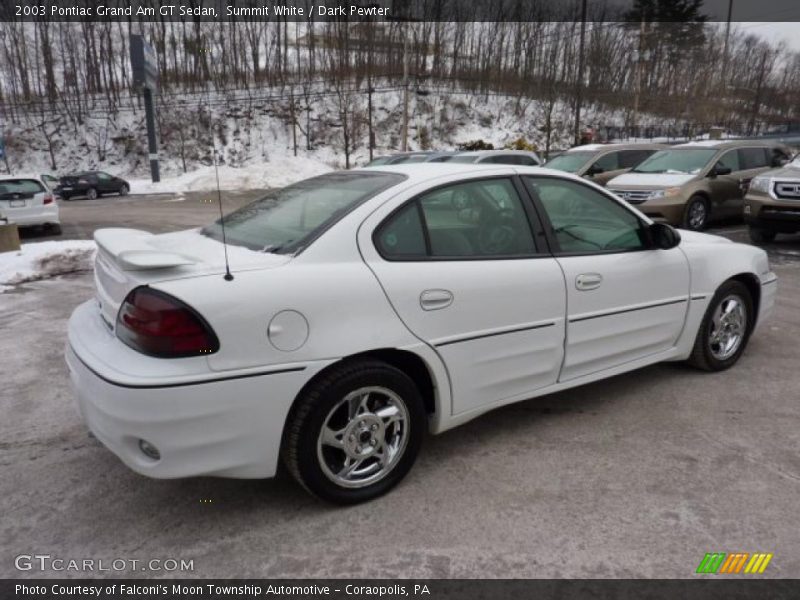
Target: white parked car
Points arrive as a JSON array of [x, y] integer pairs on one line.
[[369, 305], [27, 200]]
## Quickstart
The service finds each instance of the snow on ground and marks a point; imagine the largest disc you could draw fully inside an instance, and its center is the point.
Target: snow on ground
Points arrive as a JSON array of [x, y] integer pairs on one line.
[[43, 260], [275, 173]]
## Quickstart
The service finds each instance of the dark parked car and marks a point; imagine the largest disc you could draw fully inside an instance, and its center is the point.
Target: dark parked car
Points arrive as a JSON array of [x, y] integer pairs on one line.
[[91, 184]]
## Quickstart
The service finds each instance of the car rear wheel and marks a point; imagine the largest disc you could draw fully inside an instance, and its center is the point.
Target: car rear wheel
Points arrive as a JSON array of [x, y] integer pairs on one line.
[[355, 432], [725, 328], [54, 229], [123, 191], [696, 215], [761, 236], [91, 194]]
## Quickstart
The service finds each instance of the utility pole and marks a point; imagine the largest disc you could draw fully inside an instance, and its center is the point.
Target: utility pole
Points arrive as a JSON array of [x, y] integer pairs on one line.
[[638, 92], [579, 92], [405, 86]]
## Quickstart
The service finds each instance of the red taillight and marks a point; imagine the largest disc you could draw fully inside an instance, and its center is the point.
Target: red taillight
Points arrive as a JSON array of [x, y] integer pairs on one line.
[[157, 324], [47, 199]]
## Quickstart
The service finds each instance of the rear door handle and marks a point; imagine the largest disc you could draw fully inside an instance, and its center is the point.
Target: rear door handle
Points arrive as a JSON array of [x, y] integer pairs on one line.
[[588, 281], [435, 299]]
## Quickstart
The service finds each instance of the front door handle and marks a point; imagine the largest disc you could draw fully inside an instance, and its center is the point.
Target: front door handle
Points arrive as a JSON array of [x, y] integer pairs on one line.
[[435, 299], [588, 281]]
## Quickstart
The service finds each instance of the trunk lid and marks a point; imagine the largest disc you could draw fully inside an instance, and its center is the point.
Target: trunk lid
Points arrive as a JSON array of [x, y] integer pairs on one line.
[[128, 258]]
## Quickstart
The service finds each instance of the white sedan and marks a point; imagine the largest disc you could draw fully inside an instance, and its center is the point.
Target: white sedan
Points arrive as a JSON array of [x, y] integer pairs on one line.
[[364, 307]]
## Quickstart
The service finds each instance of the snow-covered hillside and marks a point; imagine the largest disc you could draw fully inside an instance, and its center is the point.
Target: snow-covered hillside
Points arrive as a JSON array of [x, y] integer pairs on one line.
[[258, 136]]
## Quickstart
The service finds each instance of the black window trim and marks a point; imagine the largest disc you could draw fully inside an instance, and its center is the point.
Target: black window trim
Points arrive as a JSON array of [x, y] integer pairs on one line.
[[541, 250], [555, 247]]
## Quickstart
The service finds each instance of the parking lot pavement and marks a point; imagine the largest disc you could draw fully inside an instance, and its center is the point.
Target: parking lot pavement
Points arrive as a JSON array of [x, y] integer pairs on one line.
[[153, 212], [636, 476]]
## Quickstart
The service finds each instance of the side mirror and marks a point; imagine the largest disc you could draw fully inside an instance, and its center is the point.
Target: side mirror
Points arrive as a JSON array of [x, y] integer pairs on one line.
[[663, 236], [720, 170]]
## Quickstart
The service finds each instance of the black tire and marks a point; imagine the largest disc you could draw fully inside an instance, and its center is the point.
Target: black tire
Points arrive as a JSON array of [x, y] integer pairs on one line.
[[315, 405], [697, 214], [54, 229], [91, 194], [65, 197], [702, 355], [761, 236], [123, 191]]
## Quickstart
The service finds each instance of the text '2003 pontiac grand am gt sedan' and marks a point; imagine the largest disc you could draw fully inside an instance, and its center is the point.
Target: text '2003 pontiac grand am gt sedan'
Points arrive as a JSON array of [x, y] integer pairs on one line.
[[367, 306]]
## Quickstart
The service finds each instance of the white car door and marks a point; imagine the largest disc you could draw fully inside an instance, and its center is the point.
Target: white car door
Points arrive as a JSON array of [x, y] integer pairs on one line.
[[461, 269], [625, 299]]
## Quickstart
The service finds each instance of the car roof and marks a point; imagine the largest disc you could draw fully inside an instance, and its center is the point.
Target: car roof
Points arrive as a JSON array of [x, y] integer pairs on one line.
[[423, 172], [724, 144], [494, 152], [7, 177], [617, 146]]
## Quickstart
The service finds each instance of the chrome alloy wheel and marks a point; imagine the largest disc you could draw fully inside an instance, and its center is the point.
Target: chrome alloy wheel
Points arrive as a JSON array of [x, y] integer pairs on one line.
[[697, 214], [363, 437], [728, 327]]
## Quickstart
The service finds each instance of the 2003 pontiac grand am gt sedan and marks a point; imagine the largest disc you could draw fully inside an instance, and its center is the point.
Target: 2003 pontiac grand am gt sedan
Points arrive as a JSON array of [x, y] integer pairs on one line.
[[366, 306]]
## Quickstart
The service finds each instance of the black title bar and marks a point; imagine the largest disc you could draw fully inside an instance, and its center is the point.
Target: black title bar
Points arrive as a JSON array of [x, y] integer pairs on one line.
[[388, 10]]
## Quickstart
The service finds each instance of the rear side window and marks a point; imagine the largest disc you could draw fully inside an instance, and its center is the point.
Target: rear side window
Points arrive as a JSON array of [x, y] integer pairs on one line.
[[630, 158], [20, 186], [753, 158], [476, 219]]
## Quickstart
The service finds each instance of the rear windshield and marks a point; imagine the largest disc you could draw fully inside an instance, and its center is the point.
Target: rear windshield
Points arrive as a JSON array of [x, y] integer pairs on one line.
[[569, 161], [677, 161], [9, 187], [288, 219]]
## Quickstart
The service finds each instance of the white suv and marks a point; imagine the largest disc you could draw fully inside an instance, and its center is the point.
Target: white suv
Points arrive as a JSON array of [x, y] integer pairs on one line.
[[27, 200]]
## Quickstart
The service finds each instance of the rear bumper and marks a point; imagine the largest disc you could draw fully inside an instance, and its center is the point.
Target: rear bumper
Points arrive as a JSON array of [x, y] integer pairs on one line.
[[227, 427], [37, 215]]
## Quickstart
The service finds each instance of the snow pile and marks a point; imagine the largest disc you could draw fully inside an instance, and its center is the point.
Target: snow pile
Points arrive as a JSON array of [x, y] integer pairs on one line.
[[275, 173], [45, 259]]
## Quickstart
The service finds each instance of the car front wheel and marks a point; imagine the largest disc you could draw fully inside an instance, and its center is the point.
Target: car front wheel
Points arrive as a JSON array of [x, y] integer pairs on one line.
[[355, 432], [696, 215], [91, 194], [725, 328], [123, 191]]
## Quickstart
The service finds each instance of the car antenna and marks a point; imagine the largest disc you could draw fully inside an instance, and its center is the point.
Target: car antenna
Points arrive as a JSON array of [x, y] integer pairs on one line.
[[228, 275]]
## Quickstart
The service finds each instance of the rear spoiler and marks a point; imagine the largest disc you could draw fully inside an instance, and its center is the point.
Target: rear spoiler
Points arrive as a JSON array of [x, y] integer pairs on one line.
[[131, 250]]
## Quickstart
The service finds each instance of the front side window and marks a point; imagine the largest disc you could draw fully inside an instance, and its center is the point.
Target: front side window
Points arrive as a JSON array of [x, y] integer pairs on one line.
[[571, 162], [677, 161], [584, 220], [607, 162], [288, 219], [729, 160], [475, 219]]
